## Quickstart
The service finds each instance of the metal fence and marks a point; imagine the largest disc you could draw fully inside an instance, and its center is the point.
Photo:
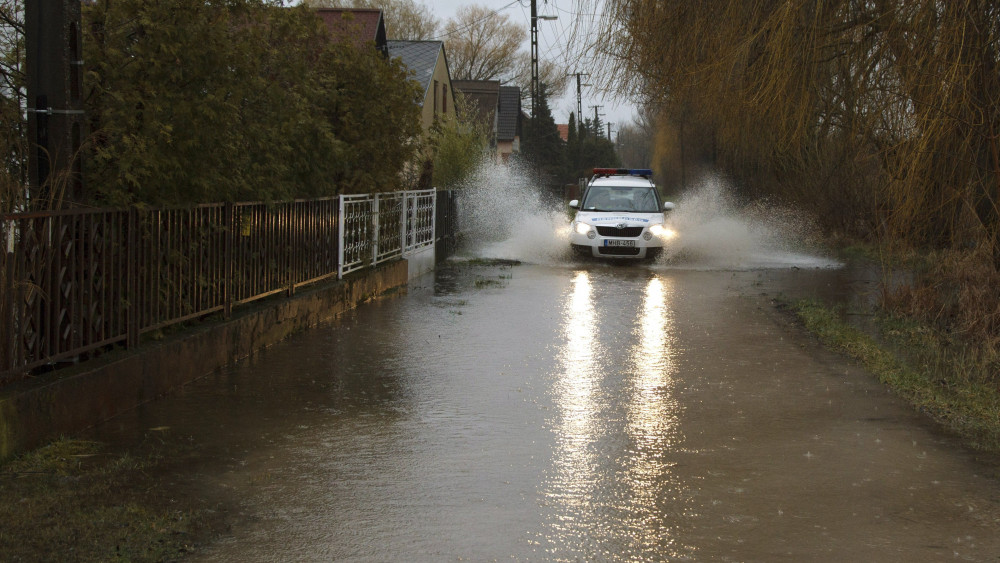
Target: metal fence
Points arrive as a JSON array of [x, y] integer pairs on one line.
[[72, 282]]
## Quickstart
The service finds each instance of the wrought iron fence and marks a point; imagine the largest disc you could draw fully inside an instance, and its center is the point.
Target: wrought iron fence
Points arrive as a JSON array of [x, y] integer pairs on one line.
[[377, 227], [76, 281]]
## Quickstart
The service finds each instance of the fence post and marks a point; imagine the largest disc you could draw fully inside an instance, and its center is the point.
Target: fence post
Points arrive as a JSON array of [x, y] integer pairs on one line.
[[229, 227], [375, 202], [132, 275], [402, 225], [340, 237], [434, 217], [7, 328], [410, 219]]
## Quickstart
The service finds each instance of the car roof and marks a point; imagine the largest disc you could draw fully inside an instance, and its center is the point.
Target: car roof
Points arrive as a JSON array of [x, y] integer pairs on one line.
[[622, 181]]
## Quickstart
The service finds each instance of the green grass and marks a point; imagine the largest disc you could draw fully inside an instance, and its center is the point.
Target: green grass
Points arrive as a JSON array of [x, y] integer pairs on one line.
[[928, 369], [74, 501]]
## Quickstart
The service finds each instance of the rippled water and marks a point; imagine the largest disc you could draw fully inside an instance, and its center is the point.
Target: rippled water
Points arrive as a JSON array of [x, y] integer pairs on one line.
[[572, 413]]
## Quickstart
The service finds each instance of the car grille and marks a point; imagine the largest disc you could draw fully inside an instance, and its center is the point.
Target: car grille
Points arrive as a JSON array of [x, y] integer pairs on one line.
[[630, 232], [618, 250]]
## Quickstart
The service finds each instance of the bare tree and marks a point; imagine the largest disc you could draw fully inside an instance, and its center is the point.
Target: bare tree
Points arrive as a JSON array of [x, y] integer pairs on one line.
[[635, 139], [13, 141], [482, 44], [404, 19], [551, 73]]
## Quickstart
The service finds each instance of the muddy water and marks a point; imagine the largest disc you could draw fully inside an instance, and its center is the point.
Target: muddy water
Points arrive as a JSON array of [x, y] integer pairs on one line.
[[574, 412]]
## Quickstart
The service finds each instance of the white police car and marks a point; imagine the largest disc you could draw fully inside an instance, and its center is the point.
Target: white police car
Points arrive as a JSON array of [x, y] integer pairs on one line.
[[621, 216]]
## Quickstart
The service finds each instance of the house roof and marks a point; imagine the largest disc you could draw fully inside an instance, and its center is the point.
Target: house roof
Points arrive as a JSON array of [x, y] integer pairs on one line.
[[421, 57], [563, 131], [484, 95], [508, 122], [358, 26]]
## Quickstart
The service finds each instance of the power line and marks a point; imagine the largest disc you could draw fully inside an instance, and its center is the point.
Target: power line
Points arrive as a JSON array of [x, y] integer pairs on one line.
[[475, 23]]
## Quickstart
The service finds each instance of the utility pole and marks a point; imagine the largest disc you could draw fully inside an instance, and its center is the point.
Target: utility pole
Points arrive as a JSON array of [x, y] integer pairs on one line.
[[534, 62], [534, 57], [609, 130], [597, 120], [579, 96], [56, 120]]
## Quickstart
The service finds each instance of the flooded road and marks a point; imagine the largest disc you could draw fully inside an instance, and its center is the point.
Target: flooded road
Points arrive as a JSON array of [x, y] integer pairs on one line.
[[572, 412]]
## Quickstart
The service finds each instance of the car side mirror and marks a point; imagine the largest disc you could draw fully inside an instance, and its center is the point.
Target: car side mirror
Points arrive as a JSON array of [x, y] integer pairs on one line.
[[574, 203], [669, 206]]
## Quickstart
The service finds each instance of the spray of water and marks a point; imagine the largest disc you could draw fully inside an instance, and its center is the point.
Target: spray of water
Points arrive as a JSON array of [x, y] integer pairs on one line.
[[715, 233], [506, 216]]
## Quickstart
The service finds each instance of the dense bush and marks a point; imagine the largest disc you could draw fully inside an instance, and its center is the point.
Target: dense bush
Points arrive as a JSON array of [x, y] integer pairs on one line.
[[196, 101]]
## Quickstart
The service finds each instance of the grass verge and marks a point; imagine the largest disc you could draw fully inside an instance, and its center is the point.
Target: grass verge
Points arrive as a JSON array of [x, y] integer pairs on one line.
[[74, 501], [921, 365]]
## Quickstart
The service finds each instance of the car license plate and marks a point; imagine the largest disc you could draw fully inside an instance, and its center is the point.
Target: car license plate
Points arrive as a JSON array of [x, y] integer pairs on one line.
[[614, 242]]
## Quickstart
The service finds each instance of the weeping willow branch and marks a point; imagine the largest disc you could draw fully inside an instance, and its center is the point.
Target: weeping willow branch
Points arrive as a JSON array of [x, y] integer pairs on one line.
[[892, 103]]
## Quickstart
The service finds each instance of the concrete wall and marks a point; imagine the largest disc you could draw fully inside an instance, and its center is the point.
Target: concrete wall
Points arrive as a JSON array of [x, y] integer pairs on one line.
[[69, 400], [420, 261]]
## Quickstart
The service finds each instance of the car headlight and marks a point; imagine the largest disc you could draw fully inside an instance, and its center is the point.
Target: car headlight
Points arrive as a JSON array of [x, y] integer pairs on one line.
[[662, 232], [582, 228]]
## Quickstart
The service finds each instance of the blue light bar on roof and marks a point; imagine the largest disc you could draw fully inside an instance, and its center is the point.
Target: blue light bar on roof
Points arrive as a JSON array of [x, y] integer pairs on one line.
[[644, 172]]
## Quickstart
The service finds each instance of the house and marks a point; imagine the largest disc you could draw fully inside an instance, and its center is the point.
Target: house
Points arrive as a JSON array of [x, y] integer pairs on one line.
[[429, 65], [359, 26], [483, 97], [499, 108], [509, 122], [563, 131]]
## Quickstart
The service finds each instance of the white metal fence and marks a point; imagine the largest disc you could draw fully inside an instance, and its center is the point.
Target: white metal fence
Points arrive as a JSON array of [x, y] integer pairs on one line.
[[378, 227]]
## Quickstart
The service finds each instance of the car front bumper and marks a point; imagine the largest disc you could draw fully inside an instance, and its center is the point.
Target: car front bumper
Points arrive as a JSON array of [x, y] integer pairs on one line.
[[618, 253], [618, 248]]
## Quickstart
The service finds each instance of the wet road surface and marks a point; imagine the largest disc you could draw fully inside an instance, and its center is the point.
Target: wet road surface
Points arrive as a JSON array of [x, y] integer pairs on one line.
[[575, 412]]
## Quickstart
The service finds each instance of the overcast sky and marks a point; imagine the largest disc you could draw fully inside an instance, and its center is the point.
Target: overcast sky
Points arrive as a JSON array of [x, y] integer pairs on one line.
[[555, 42]]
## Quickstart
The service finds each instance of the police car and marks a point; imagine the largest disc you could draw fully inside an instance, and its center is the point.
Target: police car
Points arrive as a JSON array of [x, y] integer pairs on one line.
[[621, 216]]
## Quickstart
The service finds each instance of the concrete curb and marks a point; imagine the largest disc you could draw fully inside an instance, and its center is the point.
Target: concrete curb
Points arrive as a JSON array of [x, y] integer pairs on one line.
[[67, 401]]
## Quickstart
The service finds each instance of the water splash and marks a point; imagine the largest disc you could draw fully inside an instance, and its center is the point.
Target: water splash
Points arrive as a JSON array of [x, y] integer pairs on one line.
[[715, 233], [506, 216]]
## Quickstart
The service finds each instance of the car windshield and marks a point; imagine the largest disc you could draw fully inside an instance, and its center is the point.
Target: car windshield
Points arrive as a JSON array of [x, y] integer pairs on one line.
[[621, 198]]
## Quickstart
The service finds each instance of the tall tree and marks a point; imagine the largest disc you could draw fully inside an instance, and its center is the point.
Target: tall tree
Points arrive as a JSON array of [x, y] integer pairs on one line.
[[571, 159], [550, 72], [482, 44], [542, 146], [585, 151], [404, 19], [13, 145], [859, 111], [635, 145]]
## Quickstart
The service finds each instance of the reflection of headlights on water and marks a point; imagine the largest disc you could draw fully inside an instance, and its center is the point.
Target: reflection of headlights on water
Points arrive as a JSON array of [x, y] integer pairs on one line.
[[662, 232]]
